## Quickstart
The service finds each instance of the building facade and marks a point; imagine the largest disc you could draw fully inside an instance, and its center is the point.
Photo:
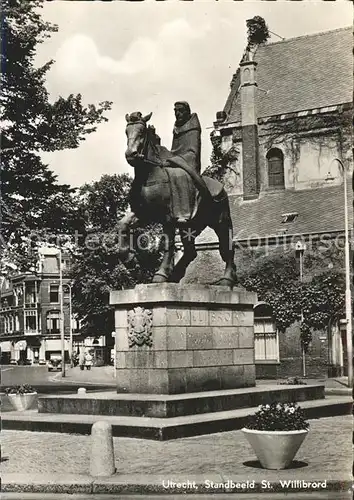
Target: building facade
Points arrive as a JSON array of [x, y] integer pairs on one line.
[[30, 314], [288, 115]]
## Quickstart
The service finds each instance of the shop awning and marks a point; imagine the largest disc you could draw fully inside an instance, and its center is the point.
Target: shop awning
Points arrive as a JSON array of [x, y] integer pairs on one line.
[[5, 346], [55, 345]]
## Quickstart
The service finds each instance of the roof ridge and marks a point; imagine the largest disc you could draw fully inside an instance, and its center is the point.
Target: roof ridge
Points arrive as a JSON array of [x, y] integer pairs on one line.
[[309, 35], [291, 88], [286, 192]]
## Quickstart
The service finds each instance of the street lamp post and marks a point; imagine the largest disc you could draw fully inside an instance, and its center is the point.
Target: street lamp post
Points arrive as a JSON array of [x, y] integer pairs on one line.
[[348, 295], [300, 248], [62, 334], [70, 328]]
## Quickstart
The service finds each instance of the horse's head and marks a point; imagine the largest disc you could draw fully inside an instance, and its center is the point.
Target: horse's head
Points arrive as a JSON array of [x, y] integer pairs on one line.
[[136, 132]]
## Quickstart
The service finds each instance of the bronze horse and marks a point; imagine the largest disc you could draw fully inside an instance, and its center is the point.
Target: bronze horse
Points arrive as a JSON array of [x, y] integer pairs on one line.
[[151, 199]]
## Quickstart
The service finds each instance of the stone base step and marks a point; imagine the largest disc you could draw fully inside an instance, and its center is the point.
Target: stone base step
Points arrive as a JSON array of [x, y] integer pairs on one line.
[[338, 391], [177, 405], [162, 429]]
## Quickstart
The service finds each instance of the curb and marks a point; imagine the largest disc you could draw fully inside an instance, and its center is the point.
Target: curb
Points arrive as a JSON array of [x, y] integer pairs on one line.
[[157, 429], [338, 391], [128, 484], [66, 387]]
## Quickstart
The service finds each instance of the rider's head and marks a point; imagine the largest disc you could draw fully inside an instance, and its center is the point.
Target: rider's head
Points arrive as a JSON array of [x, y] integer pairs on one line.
[[182, 112]]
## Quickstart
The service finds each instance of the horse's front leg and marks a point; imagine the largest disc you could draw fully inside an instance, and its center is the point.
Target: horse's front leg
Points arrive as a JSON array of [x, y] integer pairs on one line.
[[223, 229], [126, 253], [188, 236], [162, 275]]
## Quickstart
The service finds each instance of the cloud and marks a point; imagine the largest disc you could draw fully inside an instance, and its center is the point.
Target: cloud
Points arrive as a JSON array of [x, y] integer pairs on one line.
[[151, 74], [147, 60], [79, 59]]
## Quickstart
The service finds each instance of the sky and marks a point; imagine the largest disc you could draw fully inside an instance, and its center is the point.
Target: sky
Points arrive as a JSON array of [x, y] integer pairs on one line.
[[144, 56]]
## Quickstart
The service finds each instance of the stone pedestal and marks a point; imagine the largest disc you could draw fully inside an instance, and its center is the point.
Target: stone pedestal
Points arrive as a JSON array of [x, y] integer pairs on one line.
[[173, 339]]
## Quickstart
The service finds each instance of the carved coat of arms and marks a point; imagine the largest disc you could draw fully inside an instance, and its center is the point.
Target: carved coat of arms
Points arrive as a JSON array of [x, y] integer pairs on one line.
[[140, 327]]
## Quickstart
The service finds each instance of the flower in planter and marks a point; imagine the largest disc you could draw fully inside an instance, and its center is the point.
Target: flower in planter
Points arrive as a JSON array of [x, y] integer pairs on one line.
[[20, 389], [278, 417]]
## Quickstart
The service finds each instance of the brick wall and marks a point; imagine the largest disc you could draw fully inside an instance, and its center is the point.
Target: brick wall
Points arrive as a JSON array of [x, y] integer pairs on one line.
[[291, 354], [208, 267], [47, 306], [250, 161]]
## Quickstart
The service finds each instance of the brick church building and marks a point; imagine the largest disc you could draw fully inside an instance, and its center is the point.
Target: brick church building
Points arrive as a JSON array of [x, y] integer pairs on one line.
[[288, 115]]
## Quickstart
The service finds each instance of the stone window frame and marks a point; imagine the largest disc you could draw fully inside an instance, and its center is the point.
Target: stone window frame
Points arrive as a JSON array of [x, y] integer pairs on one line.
[[275, 168], [51, 287], [263, 315], [56, 316]]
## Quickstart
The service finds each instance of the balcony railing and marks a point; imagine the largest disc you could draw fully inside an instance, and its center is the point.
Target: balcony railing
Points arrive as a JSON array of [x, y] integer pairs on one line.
[[27, 304], [9, 334], [6, 308], [32, 332], [31, 305]]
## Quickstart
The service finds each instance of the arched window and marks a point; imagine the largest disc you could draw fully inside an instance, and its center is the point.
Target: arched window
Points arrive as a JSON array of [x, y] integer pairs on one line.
[[246, 75], [266, 343], [275, 161]]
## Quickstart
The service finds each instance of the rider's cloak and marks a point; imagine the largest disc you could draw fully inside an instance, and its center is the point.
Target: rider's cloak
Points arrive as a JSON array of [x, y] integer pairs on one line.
[[186, 142], [185, 153]]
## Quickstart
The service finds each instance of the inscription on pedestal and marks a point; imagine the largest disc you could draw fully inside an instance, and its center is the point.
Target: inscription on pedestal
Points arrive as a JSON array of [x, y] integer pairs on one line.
[[178, 316], [140, 327], [199, 317], [174, 339], [220, 318]]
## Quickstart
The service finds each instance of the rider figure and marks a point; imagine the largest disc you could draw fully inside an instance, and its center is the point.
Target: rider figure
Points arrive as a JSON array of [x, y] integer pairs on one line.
[[186, 147]]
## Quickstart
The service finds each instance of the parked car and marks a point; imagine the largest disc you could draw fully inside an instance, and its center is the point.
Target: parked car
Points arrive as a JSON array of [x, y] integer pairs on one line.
[[54, 364]]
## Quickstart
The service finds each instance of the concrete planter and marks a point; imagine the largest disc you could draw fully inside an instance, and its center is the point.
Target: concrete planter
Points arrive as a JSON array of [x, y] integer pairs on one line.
[[22, 402], [275, 449]]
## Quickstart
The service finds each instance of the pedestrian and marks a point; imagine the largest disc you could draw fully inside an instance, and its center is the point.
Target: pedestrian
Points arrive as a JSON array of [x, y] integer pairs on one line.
[[75, 359], [82, 359], [88, 361]]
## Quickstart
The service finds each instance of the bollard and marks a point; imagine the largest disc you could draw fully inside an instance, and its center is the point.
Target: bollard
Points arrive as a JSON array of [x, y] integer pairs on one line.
[[102, 452], [81, 390]]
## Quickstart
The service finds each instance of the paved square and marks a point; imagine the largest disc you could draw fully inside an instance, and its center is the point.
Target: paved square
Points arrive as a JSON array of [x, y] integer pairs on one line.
[[326, 453]]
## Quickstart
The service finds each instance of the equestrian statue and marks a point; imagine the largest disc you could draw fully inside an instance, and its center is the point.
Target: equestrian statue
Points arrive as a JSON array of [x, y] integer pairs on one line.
[[169, 189]]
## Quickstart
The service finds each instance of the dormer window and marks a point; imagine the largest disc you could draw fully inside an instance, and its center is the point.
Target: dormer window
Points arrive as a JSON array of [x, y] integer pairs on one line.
[[290, 217], [275, 163]]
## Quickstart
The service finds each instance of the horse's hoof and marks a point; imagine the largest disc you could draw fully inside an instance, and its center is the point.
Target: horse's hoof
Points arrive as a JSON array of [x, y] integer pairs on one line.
[[159, 278]]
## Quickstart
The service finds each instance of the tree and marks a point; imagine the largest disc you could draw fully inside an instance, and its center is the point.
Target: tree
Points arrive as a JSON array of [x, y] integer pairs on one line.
[[257, 34], [103, 202], [257, 31], [32, 199], [96, 266], [220, 160], [316, 302]]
